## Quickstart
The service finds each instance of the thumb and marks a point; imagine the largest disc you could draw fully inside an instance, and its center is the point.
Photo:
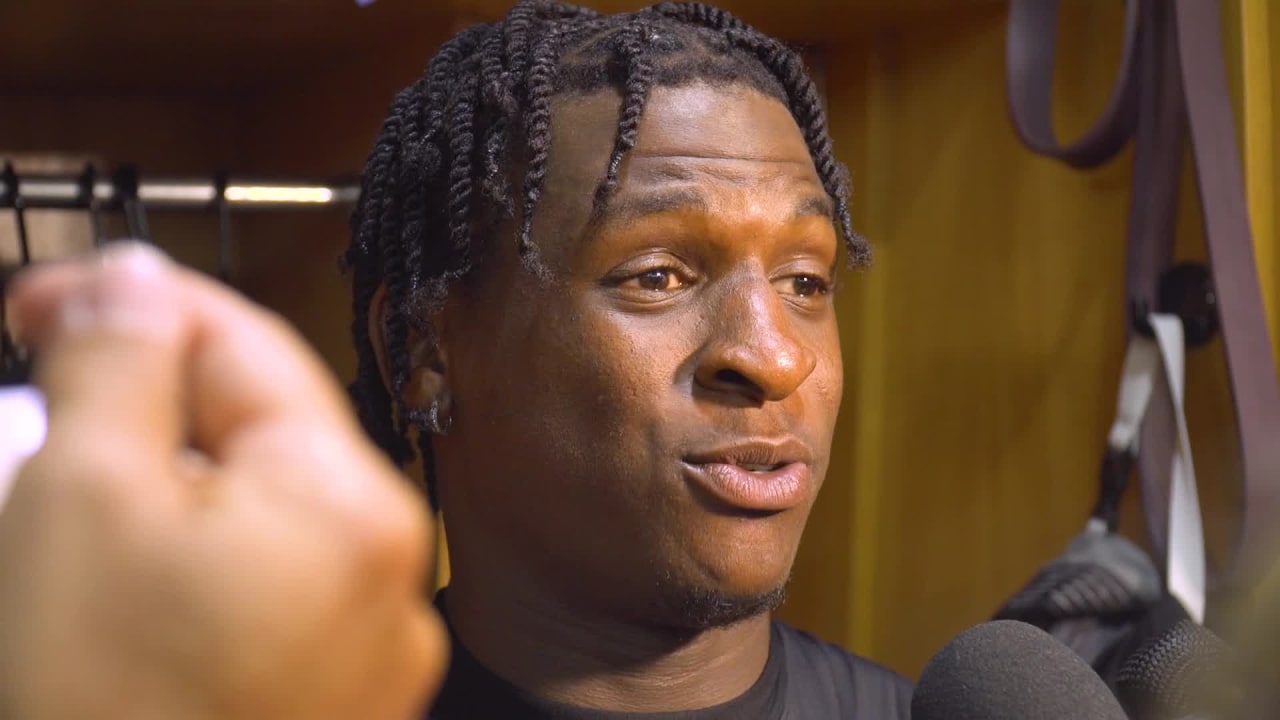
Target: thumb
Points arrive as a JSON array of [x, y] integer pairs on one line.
[[110, 343]]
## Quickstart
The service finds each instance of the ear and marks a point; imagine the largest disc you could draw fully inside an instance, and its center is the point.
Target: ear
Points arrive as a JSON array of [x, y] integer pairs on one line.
[[428, 358]]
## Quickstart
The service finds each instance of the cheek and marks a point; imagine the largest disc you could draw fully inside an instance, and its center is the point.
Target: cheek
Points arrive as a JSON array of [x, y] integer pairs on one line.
[[825, 388], [573, 385], [613, 373], [831, 380], [597, 408]]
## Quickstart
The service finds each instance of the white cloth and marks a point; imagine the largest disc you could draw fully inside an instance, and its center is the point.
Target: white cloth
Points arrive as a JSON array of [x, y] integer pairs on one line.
[[1152, 363], [22, 431]]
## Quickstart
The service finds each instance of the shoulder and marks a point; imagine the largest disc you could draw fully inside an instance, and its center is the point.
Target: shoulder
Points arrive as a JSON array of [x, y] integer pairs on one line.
[[859, 687]]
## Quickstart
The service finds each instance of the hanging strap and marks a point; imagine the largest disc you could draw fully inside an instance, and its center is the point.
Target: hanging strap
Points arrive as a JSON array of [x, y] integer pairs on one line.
[[1153, 209], [1220, 179], [1029, 51], [1151, 101]]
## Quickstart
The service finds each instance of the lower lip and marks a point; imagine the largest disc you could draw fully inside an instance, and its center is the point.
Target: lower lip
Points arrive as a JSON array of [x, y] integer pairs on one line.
[[773, 491]]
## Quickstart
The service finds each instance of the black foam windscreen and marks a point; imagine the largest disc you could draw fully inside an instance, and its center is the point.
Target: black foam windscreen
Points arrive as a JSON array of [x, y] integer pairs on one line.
[[1007, 670], [1182, 673]]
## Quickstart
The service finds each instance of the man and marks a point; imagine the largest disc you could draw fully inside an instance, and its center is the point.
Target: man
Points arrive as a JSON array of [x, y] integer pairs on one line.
[[592, 267]]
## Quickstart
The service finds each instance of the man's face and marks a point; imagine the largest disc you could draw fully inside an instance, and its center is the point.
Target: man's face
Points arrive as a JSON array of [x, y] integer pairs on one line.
[[644, 435]]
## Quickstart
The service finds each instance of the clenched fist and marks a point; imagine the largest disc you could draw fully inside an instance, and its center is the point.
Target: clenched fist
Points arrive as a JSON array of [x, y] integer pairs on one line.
[[205, 533]]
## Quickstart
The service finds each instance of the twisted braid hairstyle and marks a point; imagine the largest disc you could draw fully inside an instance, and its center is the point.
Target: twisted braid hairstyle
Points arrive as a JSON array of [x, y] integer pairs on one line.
[[440, 182]]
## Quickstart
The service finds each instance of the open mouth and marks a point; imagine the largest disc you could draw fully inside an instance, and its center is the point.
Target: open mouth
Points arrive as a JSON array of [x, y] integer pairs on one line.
[[754, 468], [758, 477]]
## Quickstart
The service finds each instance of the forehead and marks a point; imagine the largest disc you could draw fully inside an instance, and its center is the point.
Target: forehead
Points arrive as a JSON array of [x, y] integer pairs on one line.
[[736, 136]]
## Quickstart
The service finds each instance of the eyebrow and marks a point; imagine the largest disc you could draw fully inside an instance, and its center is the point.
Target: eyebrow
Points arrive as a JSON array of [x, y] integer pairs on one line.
[[820, 205], [625, 209]]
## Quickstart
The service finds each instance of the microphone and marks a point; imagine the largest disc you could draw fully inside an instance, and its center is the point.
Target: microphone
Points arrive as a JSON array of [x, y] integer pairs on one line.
[[1009, 670], [1187, 673]]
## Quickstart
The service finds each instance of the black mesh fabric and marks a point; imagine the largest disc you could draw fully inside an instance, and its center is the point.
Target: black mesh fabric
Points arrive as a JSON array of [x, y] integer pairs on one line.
[[1103, 598], [1070, 590], [1179, 674]]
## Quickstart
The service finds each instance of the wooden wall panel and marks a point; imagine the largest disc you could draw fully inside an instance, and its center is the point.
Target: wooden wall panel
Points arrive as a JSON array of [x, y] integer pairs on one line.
[[810, 21], [182, 135], [323, 127], [981, 351], [983, 348], [1258, 26]]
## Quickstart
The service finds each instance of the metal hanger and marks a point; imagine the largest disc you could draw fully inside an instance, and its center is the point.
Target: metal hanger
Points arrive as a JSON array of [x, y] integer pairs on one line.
[[135, 215], [224, 227], [15, 364], [13, 199], [87, 183]]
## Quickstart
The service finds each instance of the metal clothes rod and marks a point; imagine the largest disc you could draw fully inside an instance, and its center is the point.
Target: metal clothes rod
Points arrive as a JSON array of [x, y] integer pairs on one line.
[[69, 192]]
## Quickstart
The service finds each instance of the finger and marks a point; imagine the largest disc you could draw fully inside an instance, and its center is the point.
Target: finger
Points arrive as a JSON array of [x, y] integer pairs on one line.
[[110, 344], [33, 295], [249, 369], [421, 669], [241, 366]]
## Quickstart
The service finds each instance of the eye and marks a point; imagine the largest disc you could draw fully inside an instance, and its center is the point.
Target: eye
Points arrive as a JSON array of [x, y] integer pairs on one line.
[[804, 285], [809, 285], [658, 280], [651, 279]]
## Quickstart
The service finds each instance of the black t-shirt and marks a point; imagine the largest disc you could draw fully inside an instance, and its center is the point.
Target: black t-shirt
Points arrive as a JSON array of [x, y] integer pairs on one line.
[[803, 679]]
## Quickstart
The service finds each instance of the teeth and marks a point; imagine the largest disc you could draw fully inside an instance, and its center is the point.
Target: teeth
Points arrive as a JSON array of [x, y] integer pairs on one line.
[[757, 468]]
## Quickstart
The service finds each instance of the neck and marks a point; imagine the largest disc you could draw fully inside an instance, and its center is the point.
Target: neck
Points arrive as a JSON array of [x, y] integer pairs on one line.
[[570, 657]]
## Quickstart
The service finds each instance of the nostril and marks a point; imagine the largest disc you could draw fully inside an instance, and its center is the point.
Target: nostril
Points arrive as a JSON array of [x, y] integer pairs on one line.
[[733, 377]]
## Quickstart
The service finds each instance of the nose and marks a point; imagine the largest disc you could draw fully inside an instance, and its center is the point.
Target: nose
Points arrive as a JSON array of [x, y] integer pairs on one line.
[[754, 351]]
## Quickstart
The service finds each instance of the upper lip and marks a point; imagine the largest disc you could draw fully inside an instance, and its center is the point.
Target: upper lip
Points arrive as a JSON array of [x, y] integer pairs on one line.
[[756, 453]]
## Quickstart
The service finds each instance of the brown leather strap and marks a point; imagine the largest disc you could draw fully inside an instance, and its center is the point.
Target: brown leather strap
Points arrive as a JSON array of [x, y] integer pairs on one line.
[[1151, 101], [1145, 103], [1029, 51], [1220, 179], [1157, 170]]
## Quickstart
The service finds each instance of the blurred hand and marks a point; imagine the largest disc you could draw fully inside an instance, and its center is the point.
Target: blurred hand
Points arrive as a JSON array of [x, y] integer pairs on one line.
[[205, 533]]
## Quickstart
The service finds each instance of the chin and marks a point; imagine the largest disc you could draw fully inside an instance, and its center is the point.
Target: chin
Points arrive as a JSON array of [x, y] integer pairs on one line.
[[693, 606], [726, 572]]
